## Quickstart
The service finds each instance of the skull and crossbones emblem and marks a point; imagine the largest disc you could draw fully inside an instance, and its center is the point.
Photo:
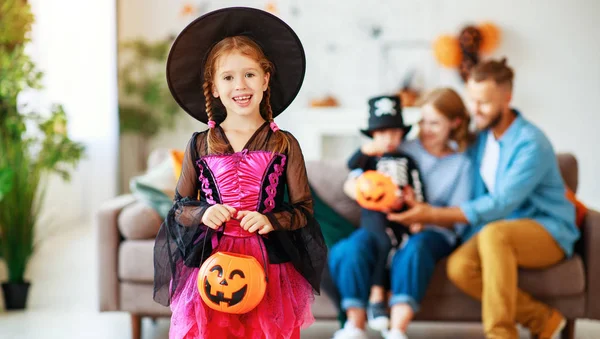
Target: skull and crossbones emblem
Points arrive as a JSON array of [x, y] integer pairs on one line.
[[385, 106]]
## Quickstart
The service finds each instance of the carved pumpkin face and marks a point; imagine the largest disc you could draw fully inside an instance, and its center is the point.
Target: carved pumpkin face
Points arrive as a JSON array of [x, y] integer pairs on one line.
[[376, 191], [231, 282]]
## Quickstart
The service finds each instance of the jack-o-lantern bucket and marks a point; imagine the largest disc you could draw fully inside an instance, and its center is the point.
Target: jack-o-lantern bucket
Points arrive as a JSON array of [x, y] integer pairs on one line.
[[231, 282], [376, 191]]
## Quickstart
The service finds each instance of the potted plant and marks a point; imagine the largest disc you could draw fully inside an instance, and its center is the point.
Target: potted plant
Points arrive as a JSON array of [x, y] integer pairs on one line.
[[146, 106], [32, 147]]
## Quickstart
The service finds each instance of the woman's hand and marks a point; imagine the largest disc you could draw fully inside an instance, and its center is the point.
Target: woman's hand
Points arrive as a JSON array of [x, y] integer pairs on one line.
[[252, 221], [418, 212], [218, 214]]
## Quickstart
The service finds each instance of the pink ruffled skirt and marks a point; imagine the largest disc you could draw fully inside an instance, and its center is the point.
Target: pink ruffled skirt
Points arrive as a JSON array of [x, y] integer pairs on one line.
[[284, 310]]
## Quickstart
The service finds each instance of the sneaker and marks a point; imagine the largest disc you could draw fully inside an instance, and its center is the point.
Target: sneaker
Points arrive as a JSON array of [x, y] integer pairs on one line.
[[378, 316], [394, 334], [349, 331], [554, 326]]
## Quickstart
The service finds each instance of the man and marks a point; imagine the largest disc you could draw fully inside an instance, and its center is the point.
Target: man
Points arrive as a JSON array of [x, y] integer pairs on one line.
[[519, 216]]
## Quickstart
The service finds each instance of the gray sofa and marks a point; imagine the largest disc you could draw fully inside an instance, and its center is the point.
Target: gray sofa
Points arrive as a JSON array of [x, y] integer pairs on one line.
[[126, 229]]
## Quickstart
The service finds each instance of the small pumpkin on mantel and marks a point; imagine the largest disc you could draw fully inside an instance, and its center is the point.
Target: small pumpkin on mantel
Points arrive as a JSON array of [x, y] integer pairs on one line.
[[328, 101]]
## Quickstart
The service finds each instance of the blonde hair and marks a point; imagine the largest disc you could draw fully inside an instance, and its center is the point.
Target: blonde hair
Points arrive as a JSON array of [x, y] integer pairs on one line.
[[249, 48], [449, 104]]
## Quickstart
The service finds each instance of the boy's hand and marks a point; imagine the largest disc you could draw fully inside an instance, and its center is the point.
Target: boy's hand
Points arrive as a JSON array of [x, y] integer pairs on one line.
[[373, 148], [350, 187], [254, 221], [216, 215]]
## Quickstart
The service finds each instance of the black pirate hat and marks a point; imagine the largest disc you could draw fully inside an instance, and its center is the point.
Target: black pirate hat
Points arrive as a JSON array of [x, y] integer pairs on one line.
[[385, 112], [185, 64]]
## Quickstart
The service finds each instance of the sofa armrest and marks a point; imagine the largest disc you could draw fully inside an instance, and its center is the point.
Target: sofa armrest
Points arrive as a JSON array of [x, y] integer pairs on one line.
[[591, 255], [108, 239]]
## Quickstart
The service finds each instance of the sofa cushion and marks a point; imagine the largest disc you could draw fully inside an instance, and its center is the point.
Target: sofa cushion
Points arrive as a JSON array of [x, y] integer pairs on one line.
[[139, 221], [461, 307], [327, 179], [333, 225], [137, 298], [156, 188], [535, 282], [580, 209], [136, 261], [176, 157]]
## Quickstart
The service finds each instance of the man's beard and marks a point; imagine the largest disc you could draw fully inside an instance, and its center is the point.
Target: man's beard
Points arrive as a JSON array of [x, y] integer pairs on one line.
[[494, 122]]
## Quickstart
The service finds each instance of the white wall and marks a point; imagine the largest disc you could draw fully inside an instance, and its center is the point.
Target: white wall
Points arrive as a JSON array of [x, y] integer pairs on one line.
[[551, 44], [74, 44]]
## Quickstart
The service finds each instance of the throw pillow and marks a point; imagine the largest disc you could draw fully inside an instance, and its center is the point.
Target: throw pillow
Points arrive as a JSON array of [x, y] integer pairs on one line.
[[580, 208], [177, 160], [156, 188]]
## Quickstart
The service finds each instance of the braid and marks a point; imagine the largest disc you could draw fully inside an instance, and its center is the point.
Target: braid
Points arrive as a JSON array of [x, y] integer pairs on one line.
[[281, 141], [267, 100], [207, 97], [215, 146]]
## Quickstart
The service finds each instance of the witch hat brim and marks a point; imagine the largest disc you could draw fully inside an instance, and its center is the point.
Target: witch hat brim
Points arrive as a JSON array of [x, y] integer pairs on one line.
[[281, 45]]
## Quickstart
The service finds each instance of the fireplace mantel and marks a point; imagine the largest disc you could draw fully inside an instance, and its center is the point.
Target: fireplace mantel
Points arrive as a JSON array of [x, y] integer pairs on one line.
[[332, 133]]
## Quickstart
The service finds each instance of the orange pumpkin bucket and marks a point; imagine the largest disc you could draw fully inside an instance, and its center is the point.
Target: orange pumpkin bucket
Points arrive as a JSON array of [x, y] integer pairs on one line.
[[376, 191], [231, 283]]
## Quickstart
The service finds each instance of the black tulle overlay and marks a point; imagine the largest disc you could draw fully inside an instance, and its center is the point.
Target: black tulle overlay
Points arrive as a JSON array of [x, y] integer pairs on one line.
[[183, 242]]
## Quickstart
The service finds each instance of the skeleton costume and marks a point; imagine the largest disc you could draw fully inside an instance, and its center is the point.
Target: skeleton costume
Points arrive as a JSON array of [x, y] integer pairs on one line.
[[386, 112]]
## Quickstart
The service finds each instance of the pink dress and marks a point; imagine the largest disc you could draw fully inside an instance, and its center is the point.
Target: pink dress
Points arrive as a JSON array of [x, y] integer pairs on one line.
[[253, 181]]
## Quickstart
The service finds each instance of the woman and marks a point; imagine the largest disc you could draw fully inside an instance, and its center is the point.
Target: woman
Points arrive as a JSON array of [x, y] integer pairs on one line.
[[438, 150]]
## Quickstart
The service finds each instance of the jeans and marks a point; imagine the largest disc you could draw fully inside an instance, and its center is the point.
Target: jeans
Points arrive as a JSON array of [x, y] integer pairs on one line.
[[352, 261], [377, 223], [413, 266]]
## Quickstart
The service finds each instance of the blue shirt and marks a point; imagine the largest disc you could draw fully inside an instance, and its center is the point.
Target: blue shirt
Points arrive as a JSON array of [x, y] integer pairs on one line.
[[447, 180], [528, 185]]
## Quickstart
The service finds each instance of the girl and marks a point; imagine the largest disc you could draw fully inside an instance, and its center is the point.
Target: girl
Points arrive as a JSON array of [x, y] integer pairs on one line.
[[230, 196], [443, 136]]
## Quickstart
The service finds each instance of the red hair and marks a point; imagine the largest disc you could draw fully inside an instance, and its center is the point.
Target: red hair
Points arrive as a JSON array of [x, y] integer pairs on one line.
[[450, 105], [249, 48]]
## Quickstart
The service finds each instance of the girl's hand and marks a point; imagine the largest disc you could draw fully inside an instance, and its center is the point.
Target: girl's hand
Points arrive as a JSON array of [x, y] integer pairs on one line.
[[216, 215], [254, 221]]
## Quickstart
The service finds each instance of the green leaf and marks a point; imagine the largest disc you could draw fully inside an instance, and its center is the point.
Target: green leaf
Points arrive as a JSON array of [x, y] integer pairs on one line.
[[146, 106], [6, 178], [27, 156]]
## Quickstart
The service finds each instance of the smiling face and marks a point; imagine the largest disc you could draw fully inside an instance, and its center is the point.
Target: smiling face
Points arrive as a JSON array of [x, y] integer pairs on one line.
[[489, 93], [375, 191], [239, 81], [233, 286], [487, 101], [434, 127], [231, 283]]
